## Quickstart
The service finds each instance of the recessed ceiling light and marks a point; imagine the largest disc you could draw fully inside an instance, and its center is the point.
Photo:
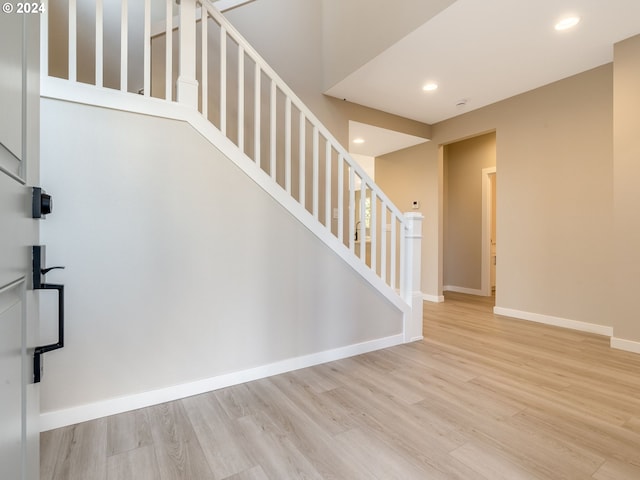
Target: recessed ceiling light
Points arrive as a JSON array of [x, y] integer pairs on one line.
[[567, 23], [358, 140], [430, 87]]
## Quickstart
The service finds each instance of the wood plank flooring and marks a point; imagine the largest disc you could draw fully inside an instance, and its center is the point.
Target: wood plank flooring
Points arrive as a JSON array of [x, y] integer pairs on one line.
[[482, 397]]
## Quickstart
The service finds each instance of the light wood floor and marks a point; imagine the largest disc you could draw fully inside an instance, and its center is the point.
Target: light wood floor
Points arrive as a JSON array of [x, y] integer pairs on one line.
[[482, 397]]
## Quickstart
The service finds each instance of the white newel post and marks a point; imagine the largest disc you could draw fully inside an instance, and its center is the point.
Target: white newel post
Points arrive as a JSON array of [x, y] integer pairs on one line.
[[187, 87], [412, 270]]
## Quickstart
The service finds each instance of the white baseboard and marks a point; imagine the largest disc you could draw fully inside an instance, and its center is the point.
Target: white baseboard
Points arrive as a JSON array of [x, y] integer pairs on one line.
[[555, 321], [469, 291], [83, 413], [433, 298], [626, 345]]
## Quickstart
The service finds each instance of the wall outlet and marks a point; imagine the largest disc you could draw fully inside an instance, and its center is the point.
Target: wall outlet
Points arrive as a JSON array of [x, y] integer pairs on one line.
[[415, 204]]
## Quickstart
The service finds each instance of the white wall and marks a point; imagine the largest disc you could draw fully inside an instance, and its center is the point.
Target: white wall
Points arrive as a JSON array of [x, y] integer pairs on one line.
[[179, 267]]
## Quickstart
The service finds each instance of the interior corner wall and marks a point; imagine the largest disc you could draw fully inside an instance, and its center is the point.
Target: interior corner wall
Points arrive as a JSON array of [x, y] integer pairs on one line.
[[627, 193], [179, 267], [554, 207], [462, 249]]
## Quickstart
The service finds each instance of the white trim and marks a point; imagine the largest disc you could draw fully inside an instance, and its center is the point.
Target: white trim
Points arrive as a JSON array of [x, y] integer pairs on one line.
[[555, 321], [468, 291], [485, 268], [433, 298], [83, 413], [626, 345]]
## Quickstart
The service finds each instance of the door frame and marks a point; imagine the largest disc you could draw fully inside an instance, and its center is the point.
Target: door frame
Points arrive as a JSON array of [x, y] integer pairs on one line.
[[15, 276], [487, 219]]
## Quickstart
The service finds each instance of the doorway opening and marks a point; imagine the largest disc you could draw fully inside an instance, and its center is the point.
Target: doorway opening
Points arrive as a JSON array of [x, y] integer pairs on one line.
[[469, 215]]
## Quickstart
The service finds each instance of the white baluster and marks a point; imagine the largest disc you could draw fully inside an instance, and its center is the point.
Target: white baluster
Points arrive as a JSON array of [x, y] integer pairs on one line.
[[241, 98], [341, 198], [327, 186], [363, 232], [168, 54], [124, 45], [302, 160], [393, 252], [204, 30], [187, 85], [100, 43], [223, 80], [383, 242], [316, 173], [352, 208], [73, 40], [256, 115], [373, 227], [403, 258], [287, 145], [273, 131]]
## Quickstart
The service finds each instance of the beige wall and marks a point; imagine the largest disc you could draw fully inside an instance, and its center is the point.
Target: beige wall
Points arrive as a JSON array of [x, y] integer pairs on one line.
[[462, 248], [554, 155], [554, 152], [626, 253], [405, 176]]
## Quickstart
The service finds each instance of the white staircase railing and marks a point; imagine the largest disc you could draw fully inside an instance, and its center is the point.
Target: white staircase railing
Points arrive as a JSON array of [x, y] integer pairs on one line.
[[204, 63]]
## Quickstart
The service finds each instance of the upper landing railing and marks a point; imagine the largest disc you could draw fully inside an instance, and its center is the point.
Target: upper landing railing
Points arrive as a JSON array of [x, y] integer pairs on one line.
[[205, 63]]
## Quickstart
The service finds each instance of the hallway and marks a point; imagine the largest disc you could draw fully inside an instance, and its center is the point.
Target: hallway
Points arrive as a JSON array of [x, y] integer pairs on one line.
[[481, 396]]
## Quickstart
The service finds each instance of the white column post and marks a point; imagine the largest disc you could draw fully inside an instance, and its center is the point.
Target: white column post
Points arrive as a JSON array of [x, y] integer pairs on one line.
[[187, 84], [412, 271]]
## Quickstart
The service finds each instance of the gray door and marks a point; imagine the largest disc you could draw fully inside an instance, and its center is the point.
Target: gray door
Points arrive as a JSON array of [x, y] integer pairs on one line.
[[19, 165]]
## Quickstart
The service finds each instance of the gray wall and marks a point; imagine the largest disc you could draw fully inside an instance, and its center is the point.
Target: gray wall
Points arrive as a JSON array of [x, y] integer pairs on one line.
[[179, 267]]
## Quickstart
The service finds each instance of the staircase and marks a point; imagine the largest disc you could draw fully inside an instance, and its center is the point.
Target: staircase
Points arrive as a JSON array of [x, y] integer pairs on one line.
[[188, 62]]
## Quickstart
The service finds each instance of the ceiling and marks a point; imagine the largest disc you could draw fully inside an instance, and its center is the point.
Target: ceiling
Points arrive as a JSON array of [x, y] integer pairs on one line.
[[481, 52], [378, 141]]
